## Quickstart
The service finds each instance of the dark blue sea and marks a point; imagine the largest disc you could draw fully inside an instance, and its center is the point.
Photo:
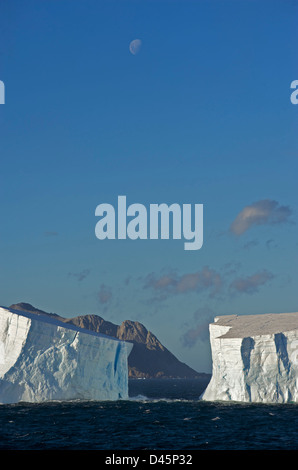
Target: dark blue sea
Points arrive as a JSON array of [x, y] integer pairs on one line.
[[159, 414]]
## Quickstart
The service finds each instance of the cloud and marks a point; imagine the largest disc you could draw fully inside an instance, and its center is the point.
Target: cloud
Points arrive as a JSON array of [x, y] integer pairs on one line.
[[250, 244], [127, 280], [251, 284], [200, 330], [262, 212], [231, 268], [171, 283], [51, 234], [271, 244], [81, 275], [104, 294]]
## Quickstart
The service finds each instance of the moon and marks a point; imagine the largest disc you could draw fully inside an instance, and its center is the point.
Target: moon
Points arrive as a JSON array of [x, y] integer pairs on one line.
[[135, 46]]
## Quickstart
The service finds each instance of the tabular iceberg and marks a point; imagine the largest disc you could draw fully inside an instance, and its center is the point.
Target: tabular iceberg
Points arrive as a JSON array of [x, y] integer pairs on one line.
[[42, 358], [254, 358]]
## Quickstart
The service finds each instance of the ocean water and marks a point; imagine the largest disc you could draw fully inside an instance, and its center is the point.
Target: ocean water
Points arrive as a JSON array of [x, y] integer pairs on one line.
[[159, 415]]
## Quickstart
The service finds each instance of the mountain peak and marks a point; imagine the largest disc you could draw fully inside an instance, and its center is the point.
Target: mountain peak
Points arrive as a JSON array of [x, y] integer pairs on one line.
[[26, 307]]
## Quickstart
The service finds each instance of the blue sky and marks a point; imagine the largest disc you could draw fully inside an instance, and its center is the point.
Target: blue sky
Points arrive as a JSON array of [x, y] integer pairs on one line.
[[201, 114]]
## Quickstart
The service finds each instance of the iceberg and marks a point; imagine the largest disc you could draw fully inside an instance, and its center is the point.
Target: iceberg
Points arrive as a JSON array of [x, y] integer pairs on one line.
[[254, 358], [42, 358]]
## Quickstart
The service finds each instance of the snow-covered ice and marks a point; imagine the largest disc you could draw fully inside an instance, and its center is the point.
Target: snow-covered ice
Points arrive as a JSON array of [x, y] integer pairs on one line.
[[42, 358], [254, 358]]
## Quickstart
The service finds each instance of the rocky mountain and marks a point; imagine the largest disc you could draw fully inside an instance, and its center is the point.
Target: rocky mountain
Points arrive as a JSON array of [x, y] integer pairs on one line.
[[148, 359]]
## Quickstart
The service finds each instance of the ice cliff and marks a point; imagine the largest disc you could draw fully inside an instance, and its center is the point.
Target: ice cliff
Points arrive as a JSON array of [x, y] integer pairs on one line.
[[42, 358], [254, 358]]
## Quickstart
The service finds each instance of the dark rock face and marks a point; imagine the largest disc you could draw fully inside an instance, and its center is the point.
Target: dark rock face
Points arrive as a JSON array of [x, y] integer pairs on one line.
[[148, 359]]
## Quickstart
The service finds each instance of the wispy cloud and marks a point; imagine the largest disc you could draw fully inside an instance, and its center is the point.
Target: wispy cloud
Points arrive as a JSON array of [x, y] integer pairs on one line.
[[81, 275], [50, 234], [251, 284], [262, 212], [199, 330], [206, 279], [271, 244], [250, 244], [104, 294]]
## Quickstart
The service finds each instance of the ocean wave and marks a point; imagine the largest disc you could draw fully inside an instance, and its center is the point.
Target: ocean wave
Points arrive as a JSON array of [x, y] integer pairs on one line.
[[145, 399]]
